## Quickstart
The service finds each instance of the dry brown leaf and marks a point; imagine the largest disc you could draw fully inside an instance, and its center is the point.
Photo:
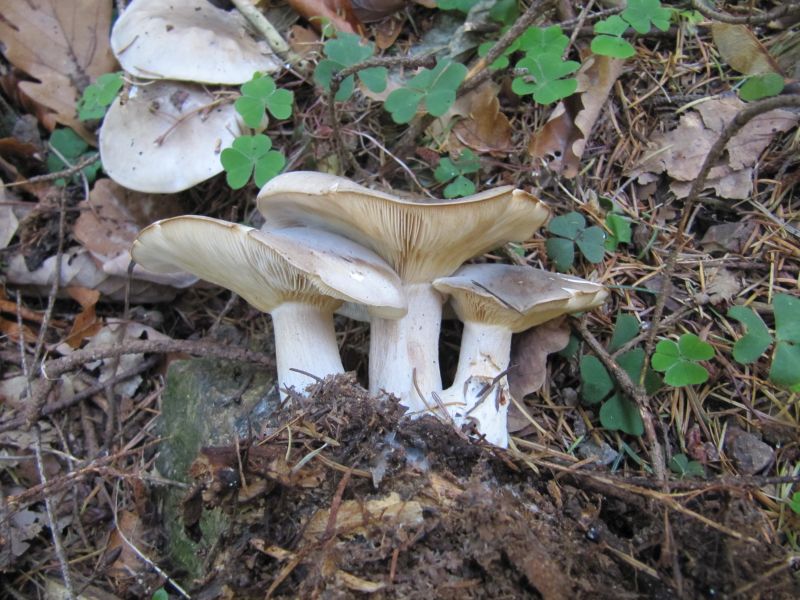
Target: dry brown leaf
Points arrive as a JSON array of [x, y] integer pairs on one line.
[[63, 44], [563, 138], [127, 564], [354, 515], [369, 11], [741, 49], [721, 285], [387, 31], [303, 41], [13, 331], [338, 12], [484, 129], [529, 356], [86, 323], [681, 151]]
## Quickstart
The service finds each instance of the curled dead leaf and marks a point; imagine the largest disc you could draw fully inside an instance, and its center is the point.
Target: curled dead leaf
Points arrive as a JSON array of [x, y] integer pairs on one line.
[[339, 12], [741, 49], [529, 356], [485, 128]]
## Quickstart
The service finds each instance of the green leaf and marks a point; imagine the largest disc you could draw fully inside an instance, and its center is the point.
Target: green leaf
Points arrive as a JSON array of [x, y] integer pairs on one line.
[[502, 61], [591, 242], [632, 362], [683, 467], [756, 340], [666, 355], [625, 329], [785, 368], [99, 95], [568, 225], [463, 6], [446, 171], [692, 347], [561, 251], [348, 49], [615, 47], [279, 104], [402, 104], [160, 594], [640, 13], [461, 186], [73, 148], [794, 503], [620, 414], [374, 78], [438, 101], [596, 383], [763, 85], [543, 40], [685, 372], [259, 95], [544, 78], [787, 318], [504, 12], [614, 26], [571, 348], [251, 154], [620, 228]]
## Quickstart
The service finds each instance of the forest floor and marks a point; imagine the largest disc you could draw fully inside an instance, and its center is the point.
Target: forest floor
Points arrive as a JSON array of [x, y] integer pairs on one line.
[[684, 485]]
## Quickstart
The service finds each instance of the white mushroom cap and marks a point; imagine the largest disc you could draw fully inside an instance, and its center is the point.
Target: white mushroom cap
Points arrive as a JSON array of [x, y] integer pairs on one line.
[[166, 137], [188, 40], [517, 297], [421, 241], [268, 269]]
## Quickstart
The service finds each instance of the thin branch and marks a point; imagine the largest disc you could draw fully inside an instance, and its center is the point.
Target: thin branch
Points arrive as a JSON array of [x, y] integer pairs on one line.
[[775, 13], [265, 28], [87, 160]]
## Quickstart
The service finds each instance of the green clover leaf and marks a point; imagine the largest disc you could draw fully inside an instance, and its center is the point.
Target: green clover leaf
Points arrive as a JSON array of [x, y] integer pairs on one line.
[[544, 79], [756, 340], [683, 467], [99, 95], [614, 26], [346, 50], [251, 155], [596, 383], [619, 413], [785, 369], [621, 232], [625, 329], [641, 13], [456, 169], [259, 95], [678, 361], [436, 88], [543, 40], [463, 6], [763, 85], [572, 231], [73, 148], [615, 47]]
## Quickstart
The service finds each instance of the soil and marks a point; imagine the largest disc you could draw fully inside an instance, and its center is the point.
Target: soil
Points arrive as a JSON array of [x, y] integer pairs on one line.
[[342, 497]]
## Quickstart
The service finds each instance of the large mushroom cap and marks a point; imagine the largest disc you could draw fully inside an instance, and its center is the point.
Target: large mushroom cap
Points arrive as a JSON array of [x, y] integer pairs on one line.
[[188, 40], [166, 137], [421, 241], [517, 297], [269, 268]]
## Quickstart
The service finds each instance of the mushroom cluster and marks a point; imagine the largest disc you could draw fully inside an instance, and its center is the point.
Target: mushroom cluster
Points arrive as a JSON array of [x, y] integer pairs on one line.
[[166, 133], [328, 240]]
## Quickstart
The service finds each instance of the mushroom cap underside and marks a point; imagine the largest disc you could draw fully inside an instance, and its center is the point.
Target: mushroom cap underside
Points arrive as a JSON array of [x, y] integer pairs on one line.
[[517, 297], [188, 40], [269, 268], [421, 241]]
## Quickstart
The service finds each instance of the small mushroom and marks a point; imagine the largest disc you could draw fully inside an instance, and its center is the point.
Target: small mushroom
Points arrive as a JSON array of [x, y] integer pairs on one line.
[[299, 276], [421, 241], [166, 137], [495, 301], [188, 40]]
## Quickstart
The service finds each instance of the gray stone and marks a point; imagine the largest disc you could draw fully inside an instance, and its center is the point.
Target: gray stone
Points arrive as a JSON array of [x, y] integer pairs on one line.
[[750, 454]]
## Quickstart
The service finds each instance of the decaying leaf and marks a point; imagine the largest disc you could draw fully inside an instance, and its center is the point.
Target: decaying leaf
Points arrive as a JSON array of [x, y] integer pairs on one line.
[[484, 127], [339, 12], [8, 220], [529, 356], [86, 323], [129, 530], [355, 516], [375, 10], [741, 49], [303, 41], [681, 151], [563, 138], [728, 237], [63, 44], [721, 285]]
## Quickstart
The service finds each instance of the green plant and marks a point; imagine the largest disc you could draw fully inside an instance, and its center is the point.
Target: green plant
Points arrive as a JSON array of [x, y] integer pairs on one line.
[[73, 148], [639, 15], [435, 88], [259, 95], [545, 69], [571, 231], [620, 228], [794, 503], [251, 155], [617, 413], [679, 360], [160, 594], [97, 97], [785, 367], [682, 466], [455, 171], [763, 85], [346, 50], [463, 6]]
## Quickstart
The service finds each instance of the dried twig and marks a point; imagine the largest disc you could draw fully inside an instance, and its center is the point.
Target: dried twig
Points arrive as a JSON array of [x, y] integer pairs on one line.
[[710, 13]]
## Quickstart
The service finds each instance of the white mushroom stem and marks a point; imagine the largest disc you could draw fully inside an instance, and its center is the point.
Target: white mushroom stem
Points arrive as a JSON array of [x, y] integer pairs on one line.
[[480, 389], [404, 353], [305, 340]]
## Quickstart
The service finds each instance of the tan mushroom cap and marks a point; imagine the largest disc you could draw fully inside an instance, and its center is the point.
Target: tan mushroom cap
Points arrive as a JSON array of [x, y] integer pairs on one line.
[[268, 269], [517, 297], [421, 241], [188, 40], [166, 137]]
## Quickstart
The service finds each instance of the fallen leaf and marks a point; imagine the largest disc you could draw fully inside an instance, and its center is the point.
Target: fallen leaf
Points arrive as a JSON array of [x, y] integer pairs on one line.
[[387, 31], [8, 220], [741, 49], [721, 285], [129, 530], [563, 138], [529, 356], [728, 237], [86, 323], [303, 41], [339, 12], [63, 44], [484, 129], [13, 331], [353, 516]]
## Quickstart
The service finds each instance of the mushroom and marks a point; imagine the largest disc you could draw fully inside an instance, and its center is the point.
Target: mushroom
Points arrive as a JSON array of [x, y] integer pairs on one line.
[[495, 301], [299, 276], [421, 241], [188, 40]]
